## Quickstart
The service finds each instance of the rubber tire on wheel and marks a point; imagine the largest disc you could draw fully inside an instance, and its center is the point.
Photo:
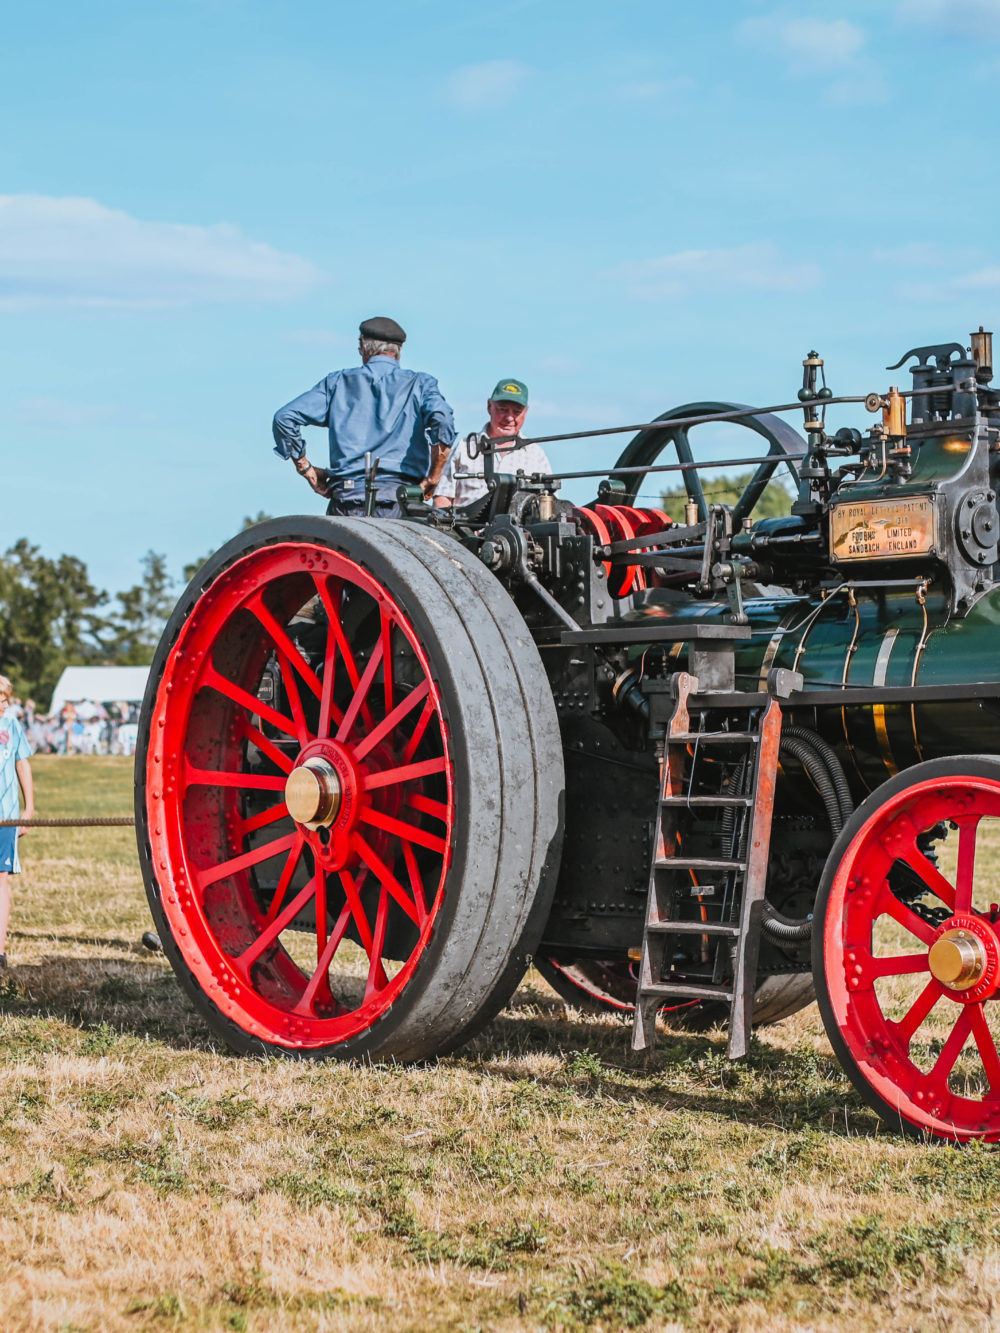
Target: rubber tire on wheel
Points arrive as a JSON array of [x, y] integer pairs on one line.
[[872, 1048], [502, 758]]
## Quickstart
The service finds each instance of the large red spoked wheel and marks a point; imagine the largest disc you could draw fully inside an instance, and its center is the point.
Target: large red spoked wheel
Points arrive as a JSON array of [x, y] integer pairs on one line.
[[349, 797], [906, 950]]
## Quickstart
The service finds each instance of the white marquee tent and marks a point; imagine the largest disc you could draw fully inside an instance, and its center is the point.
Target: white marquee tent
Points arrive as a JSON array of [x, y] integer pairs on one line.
[[102, 685]]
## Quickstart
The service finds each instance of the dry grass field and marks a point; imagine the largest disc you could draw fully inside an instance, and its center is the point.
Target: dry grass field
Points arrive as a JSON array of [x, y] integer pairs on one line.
[[541, 1179]]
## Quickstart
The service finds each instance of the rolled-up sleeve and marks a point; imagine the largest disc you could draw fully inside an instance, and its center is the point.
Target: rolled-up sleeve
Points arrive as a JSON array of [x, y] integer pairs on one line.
[[439, 420], [309, 409]]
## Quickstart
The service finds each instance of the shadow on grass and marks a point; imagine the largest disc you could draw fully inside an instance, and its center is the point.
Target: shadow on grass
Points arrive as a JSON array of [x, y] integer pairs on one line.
[[688, 1071], [538, 1041], [135, 996]]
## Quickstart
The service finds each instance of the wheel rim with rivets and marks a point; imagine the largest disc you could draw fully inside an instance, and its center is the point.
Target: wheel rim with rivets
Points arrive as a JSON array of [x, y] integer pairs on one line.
[[910, 953], [301, 931]]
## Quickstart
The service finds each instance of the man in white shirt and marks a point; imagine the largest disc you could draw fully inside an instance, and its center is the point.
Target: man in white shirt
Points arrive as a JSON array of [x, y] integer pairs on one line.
[[462, 480]]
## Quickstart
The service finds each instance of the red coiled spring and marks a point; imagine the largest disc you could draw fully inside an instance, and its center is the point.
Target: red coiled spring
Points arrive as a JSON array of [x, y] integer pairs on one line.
[[611, 523]]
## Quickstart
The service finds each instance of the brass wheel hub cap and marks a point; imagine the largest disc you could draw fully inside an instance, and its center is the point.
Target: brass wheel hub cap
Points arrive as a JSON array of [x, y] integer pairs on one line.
[[957, 959], [313, 793]]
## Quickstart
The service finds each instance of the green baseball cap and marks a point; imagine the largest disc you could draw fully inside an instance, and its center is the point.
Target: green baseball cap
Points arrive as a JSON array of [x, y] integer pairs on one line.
[[510, 391]]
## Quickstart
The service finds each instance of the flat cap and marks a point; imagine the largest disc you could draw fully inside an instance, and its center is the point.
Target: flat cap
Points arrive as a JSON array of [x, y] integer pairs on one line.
[[386, 330]]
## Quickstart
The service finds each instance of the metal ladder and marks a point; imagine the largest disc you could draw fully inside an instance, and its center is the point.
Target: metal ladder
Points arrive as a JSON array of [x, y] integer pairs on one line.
[[752, 831]]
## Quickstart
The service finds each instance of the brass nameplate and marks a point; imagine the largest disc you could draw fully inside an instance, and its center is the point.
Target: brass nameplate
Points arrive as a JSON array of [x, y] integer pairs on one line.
[[883, 529]]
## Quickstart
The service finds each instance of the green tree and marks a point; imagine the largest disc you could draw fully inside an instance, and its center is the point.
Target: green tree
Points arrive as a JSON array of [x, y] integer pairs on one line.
[[51, 615], [141, 613], [774, 503]]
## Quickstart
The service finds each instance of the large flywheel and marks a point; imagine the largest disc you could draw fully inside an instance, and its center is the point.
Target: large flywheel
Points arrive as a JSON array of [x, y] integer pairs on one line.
[[349, 791], [648, 447]]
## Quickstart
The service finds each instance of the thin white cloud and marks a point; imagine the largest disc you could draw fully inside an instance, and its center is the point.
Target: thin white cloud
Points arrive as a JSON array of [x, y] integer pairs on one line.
[[757, 267], [319, 338], [75, 251], [983, 282], [807, 44], [482, 87], [924, 255], [654, 90], [65, 414], [960, 18], [832, 48]]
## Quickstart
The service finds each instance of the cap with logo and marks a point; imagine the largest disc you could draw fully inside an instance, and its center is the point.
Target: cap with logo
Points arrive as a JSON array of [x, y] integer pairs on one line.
[[384, 329], [510, 391]]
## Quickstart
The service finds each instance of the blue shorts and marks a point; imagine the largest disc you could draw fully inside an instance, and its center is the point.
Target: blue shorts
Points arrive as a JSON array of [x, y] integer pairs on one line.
[[8, 845]]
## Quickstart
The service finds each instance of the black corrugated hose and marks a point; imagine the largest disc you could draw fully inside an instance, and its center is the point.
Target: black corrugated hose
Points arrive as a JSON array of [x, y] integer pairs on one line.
[[820, 761]]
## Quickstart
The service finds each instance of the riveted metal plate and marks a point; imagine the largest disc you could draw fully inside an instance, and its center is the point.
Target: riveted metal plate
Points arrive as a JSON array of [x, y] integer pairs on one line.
[[883, 529]]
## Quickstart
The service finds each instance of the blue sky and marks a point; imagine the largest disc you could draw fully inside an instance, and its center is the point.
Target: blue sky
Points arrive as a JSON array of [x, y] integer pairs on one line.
[[629, 206]]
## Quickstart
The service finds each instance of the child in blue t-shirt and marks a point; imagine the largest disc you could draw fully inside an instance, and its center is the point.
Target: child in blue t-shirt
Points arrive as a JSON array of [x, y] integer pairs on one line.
[[15, 771]]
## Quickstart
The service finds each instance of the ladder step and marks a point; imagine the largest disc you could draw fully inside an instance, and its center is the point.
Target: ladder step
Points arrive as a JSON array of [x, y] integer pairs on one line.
[[700, 801], [693, 928], [696, 863], [680, 991], [744, 737]]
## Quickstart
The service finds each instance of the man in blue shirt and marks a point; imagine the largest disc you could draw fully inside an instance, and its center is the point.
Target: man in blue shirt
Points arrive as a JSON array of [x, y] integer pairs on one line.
[[399, 416]]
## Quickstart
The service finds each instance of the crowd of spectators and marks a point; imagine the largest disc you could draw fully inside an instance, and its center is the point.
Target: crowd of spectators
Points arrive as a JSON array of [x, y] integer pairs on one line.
[[81, 727]]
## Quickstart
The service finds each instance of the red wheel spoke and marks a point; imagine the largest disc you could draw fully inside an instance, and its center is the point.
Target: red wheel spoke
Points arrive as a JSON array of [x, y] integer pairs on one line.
[[305, 1004], [288, 870], [352, 890], [987, 1046], [427, 806], [218, 777], [385, 876], [418, 731], [269, 816], [327, 708], [927, 871], [267, 746], [897, 965], [256, 707], [375, 968], [321, 922], [275, 927], [392, 719], [407, 773], [285, 645], [919, 1010], [213, 874], [295, 699], [361, 693], [335, 632], [416, 883], [907, 918], [952, 1049], [410, 832], [968, 829], [387, 682]]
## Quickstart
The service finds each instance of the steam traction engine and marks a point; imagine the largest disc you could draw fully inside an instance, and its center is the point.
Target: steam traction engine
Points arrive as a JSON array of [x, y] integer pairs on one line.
[[710, 767]]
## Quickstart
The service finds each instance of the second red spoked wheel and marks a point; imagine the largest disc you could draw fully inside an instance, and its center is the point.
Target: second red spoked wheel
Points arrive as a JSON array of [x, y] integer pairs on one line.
[[906, 951]]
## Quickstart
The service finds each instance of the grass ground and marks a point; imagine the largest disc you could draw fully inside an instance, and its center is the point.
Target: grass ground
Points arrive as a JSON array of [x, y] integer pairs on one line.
[[541, 1179]]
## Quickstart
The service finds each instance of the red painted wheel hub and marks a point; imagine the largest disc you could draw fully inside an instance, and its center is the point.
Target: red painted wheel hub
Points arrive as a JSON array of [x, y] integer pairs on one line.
[[916, 1002], [302, 933]]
